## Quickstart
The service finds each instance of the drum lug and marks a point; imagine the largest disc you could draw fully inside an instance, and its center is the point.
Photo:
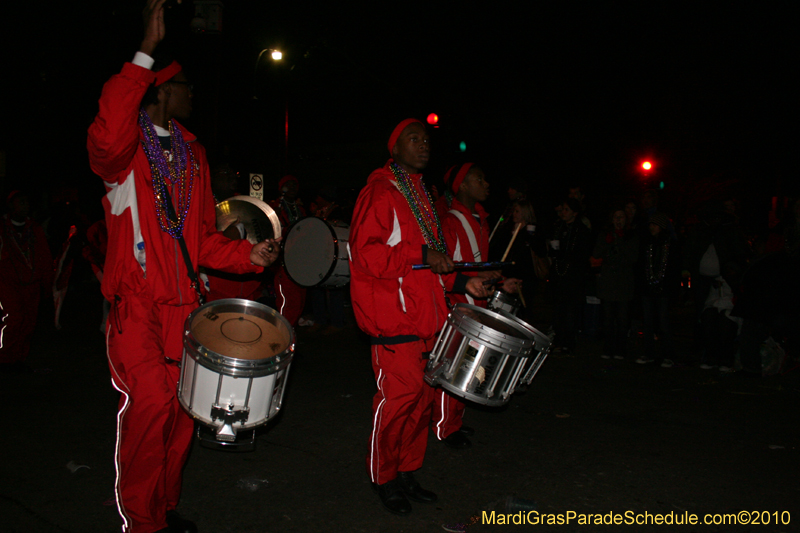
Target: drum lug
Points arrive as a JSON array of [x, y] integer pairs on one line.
[[229, 415], [434, 371]]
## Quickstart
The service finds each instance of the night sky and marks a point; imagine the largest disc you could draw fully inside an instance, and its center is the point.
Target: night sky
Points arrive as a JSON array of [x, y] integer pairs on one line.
[[555, 93]]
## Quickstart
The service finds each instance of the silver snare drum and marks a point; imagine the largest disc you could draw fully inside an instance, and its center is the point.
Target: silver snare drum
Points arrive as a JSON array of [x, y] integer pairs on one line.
[[503, 301], [480, 355], [315, 253], [541, 349], [236, 359]]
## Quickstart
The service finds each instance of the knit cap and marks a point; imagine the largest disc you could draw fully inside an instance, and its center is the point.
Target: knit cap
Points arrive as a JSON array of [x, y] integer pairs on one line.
[[659, 219]]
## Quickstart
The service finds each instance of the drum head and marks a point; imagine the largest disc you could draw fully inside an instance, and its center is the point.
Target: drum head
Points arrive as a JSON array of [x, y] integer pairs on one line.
[[239, 337], [309, 251], [505, 324], [259, 219]]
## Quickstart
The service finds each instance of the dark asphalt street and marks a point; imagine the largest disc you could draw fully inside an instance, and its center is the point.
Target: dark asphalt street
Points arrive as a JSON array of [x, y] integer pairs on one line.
[[590, 436]]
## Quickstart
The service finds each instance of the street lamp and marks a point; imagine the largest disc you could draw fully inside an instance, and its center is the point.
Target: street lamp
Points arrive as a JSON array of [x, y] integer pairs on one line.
[[276, 55]]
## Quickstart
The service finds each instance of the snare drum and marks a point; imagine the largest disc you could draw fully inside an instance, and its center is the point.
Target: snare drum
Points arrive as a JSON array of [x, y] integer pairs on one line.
[[480, 355], [503, 301], [235, 363], [315, 253], [541, 349]]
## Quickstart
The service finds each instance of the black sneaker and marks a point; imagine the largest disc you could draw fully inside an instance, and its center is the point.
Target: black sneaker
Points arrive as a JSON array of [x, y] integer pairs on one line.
[[392, 497], [412, 489], [466, 430], [457, 440]]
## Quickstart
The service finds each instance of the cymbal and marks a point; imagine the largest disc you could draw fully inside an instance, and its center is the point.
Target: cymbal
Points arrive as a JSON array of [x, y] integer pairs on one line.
[[260, 221]]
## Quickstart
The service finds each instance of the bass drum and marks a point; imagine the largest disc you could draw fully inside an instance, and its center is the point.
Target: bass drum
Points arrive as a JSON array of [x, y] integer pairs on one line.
[[236, 359], [315, 253]]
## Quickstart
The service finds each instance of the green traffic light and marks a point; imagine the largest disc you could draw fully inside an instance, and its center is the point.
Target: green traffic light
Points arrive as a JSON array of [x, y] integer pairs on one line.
[[462, 146]]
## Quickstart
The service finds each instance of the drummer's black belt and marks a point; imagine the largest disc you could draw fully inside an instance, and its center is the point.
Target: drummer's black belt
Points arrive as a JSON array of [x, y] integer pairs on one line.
[[397, 339]]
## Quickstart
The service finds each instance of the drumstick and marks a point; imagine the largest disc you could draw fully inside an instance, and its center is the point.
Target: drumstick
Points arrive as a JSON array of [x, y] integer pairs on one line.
[[495, 228], [514, 236], [521, 297], [469, 266]]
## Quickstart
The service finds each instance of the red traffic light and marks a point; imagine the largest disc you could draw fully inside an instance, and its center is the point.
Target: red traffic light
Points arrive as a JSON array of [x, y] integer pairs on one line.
[[647, 166], [433, 119]]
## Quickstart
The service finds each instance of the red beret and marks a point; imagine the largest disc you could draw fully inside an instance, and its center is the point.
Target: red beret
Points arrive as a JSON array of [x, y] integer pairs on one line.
[[457, 176], [166, 73], [287, 178], [399, 129]]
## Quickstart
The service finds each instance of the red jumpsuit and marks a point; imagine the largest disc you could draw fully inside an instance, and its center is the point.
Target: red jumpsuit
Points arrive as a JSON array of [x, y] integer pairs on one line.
[[145, 278], [224, 285], [26, 267], [290, 298], [402, 310], [448, 410]]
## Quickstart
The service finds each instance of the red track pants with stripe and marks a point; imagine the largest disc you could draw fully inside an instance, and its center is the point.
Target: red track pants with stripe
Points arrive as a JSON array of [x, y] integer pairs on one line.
[[290, 298], [154, 433], [401, 410], [19, 305], [448, 413]]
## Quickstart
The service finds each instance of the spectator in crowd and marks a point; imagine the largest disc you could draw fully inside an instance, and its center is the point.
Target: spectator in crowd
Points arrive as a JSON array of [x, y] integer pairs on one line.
[[715, 247], [659, 273], [617, 248], [570, 249]]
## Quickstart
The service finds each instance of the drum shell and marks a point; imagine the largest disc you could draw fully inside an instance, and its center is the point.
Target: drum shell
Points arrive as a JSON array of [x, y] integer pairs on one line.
[[466, 345], [210, 378], [541, 349], [201, 388], [315, 253]]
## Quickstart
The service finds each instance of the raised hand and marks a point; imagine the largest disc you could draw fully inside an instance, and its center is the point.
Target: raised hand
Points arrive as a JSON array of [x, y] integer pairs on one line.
[[153, 16]]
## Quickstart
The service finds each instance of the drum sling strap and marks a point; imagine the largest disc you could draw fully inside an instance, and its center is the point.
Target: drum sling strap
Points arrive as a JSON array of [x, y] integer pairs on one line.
[[473, 242], [470, 234], [189, 267]]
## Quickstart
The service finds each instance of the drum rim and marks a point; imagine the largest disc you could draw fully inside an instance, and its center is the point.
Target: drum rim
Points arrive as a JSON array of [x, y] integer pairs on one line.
[[471, 396], [538, 335], [231, 366], [504, 296], [516, 343], [335, 252]]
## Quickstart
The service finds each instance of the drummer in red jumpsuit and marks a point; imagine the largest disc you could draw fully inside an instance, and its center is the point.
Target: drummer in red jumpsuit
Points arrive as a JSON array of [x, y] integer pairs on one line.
[[467, 233], [394, 227], [290, 298], [26, 270], [142, 153], [222, 284]]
